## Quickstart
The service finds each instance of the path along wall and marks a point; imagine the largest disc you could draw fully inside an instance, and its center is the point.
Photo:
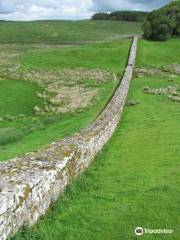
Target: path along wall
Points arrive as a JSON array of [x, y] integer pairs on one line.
[[28, 185]]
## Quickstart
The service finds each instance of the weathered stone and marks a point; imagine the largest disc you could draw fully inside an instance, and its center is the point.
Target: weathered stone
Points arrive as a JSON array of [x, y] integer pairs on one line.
[[175, 99], [146, 88], [29, 184], [36, 109], [172, 71], [132, 102], [21, 116], [158, 91], [174, 93]]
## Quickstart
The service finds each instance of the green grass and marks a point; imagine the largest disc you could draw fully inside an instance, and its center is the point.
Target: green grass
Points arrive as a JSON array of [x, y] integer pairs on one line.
[[9, 135], [65, 32], [37, 133], [18, 97], [47, 130], [158, 54], [133, 182], [111, 55]]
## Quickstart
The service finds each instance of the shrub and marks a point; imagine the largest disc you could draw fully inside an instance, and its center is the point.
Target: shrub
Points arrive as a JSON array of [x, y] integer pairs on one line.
[[9, 135]]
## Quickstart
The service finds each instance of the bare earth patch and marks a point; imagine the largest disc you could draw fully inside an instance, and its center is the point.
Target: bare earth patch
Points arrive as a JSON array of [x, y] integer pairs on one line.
[[72, 98], [9, 62], [63, 90], [66, 90], [66, 76]]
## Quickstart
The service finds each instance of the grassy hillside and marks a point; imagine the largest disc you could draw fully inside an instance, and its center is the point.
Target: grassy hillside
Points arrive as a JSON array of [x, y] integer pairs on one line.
[[39, 65], [134, 181], [158, 54], [110, 55], [65, 32], [18, 97]]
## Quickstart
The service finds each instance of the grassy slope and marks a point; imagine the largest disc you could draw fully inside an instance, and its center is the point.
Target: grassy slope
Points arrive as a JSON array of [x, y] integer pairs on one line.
[[158, 54], [18, 97], [65, 31], [113, 57], [134, 181], [110, 55]]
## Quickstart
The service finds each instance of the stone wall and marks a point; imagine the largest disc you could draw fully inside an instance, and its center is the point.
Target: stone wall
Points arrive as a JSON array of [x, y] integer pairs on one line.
[[28, 185]]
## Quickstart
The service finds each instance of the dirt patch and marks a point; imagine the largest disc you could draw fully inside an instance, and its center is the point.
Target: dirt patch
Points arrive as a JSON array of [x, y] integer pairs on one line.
[[64, 90], [66, 76], [68, 99], [72, 98], [69, 89], [8, 61]]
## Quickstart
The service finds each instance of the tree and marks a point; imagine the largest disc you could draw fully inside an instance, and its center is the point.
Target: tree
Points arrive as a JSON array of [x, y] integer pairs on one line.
[[162, 23], [100, 16], [156, 27], [131, 16]]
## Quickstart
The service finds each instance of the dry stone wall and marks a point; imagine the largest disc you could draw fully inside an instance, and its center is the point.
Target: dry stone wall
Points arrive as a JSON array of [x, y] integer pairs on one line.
[[28, 185]]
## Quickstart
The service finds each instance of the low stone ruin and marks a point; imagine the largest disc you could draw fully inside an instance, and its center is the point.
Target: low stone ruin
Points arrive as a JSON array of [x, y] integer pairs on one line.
[[172, 71], [173, 92], [132, 102]]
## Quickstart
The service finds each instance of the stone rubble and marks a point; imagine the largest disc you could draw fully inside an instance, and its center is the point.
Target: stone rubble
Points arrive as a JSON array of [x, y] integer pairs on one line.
[[173, 92], [172, 71]]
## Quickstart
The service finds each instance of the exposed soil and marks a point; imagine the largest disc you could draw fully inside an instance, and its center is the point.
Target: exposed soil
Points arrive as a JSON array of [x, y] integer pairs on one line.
[[70, 98], [65, 90]]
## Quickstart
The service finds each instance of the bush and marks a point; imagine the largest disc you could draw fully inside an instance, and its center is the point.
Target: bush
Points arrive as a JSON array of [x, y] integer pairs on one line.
[[9, 135]]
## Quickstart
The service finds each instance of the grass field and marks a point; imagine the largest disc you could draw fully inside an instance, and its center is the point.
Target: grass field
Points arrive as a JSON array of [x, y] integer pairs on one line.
[[66, 32], [18, 97], [110, 55], [28, 132], [158, 54], [135, 180]]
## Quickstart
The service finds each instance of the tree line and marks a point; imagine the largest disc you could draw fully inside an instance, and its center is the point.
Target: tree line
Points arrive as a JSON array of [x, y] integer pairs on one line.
[[132, 16], [157, 25]]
